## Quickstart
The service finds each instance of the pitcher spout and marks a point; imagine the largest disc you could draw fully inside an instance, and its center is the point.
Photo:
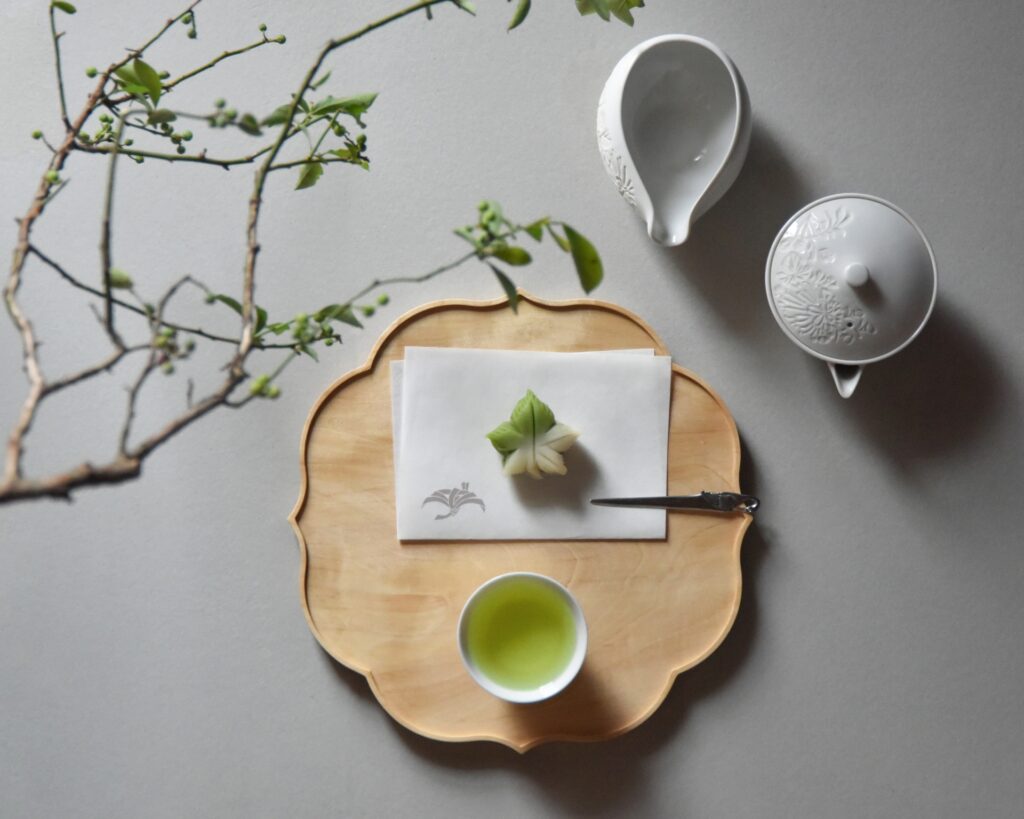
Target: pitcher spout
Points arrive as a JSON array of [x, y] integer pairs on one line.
[[667, 235]]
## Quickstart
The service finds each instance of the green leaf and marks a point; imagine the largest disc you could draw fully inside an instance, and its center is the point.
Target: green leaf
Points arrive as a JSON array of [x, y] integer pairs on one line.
[[559, 240], [508, 286], [129, 81], [591, 6], [309, 175], [159, 116], [521, 11], [620, 8], [317, 83], [249, 124], [466, 5], [310, 352], [67, 8], [536, 229], [341, 312], [531, 416], [355, 106], [120, 280], [279, 327], [515, 256], [279, 116], [505, 438], [352, 153], [149, 79], [586, 258], [230, 302], [261, 319]]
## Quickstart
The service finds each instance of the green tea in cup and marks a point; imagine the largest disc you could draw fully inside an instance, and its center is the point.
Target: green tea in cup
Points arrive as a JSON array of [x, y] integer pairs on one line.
[[522, 636]]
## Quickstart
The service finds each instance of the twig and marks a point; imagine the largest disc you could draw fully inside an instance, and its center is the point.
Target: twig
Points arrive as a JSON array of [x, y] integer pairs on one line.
[[82, 375], [196, 331], [201, 158], [57, 64], [220, 58], [413, 279], [105, 251]]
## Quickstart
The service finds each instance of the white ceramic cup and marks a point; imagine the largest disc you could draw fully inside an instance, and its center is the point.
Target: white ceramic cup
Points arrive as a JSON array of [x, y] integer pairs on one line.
[[559, 681]]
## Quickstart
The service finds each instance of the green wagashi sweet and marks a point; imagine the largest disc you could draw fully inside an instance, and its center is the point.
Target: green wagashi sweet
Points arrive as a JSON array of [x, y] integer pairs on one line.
[[531, 441]]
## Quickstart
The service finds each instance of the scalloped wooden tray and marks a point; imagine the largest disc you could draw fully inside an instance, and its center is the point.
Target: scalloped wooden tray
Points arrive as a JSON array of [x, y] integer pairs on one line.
[[389, 610]]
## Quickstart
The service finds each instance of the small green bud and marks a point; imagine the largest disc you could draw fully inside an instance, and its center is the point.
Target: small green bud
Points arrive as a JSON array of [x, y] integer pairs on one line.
[[263, 26], [273, 392], [91, 71], [231, 113], [129, 142], [187, 136], [52, 176], [120, 280], [166, 128], [106, 118], [175, 138], [259, 385], [280, 38], [328, 342], [159, 342], [210, 298], [191, 33], [190, 345], [37, 134], [301, 318], [383, 299], [167, 332], [180, 149], [219, 103], [368, 310], [163, 75], [186, 18], [84, 137], [167, 367]]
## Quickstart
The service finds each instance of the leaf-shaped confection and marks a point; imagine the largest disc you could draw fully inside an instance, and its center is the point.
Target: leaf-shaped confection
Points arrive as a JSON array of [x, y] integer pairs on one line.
[[531, 441]]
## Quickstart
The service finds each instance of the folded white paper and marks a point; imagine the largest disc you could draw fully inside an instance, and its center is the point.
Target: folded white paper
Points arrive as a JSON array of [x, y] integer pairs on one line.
[[449, 481]]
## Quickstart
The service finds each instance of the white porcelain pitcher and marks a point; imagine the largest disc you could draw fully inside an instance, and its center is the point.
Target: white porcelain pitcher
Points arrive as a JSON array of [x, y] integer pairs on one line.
[[673, 128]]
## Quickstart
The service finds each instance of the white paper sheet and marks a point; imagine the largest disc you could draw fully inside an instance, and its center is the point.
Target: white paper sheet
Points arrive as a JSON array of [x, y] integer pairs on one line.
[[445, 401]]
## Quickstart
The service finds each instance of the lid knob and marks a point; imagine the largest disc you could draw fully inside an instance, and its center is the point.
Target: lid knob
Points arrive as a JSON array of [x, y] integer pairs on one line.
[[856, 275]]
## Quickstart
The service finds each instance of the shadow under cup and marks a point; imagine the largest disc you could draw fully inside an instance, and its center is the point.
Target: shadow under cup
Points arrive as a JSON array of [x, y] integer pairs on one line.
[[522, 637]]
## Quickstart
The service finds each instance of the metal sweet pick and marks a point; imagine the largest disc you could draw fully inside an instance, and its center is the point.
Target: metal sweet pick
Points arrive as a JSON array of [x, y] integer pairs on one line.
[[705, 502]]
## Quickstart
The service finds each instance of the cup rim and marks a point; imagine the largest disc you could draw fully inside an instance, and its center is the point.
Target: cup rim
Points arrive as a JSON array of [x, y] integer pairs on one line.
[[548, 689]]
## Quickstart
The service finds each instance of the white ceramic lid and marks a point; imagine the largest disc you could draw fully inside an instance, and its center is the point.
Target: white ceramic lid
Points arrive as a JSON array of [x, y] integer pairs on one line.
[[851, 278]]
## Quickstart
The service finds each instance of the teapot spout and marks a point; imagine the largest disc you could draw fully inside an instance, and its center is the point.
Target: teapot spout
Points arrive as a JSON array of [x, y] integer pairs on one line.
[[846, 376]]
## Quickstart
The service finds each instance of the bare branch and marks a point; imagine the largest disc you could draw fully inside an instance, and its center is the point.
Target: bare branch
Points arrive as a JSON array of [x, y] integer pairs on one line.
[[200, 158], [182, 328], [220, 58], [106, 365], [57, 64], [105, 250]]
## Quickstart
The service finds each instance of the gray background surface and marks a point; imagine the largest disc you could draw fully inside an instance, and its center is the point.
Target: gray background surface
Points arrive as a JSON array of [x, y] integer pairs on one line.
[[154, 659]]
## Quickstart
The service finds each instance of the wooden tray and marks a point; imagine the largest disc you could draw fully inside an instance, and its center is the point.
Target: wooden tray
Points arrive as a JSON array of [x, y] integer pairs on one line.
[[389, 610]]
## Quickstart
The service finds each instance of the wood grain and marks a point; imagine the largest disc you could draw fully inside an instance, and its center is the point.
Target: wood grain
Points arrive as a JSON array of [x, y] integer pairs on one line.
[[389, 610]]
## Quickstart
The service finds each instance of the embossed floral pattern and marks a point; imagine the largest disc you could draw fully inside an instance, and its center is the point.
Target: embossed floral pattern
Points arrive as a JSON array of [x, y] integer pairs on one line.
[[613, 162], [806, 295]]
